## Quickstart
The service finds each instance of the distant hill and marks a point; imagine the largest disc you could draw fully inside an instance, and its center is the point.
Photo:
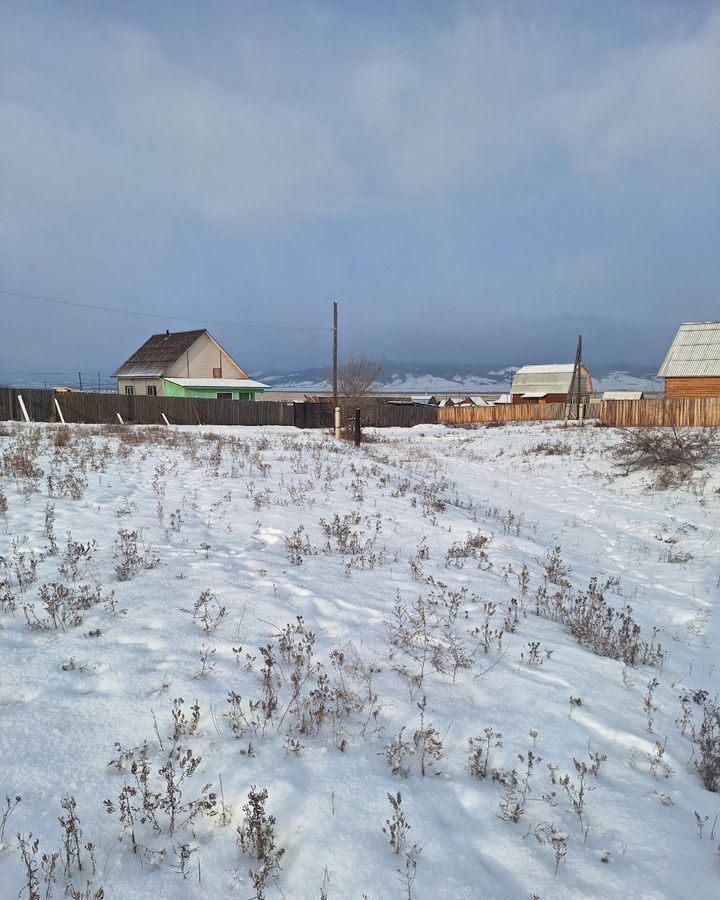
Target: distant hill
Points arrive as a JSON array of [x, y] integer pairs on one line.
[[416, 378]]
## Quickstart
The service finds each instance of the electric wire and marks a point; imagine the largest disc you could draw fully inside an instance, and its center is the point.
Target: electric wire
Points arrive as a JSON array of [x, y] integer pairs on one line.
[[149, 315]]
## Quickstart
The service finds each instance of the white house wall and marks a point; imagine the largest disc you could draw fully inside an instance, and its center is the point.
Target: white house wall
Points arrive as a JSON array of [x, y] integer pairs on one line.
[[200, 360], [141, 385]]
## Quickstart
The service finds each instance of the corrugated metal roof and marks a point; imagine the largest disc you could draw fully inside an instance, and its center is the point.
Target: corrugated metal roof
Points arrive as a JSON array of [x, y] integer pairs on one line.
[[695, 352], [219, 383], [553, 367], [157, 354], [553, 379], [622, 395]]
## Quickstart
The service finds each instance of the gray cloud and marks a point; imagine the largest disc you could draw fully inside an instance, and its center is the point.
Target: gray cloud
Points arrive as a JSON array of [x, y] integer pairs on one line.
[[125, 126], [473, 156]]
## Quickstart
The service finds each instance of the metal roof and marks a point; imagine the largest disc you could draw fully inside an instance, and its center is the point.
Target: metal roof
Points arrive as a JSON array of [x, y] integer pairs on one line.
[[157, 354], [695, 352], [219, 383], [552, 379], [622, 395], [552, 368]]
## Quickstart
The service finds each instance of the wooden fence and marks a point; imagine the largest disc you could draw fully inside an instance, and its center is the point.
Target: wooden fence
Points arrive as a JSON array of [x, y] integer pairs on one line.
[[518, 412], [681, 412], [97, 409]]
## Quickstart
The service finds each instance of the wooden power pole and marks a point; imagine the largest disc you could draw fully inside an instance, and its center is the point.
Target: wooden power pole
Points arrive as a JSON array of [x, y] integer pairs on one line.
[[574, 398], [335, 355]]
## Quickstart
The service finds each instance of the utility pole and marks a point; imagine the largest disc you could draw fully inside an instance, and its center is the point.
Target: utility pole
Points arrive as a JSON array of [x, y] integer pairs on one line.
[[336, 408], [574, 393], [578, 375], [99, 388], [335, 354], [80, 380]]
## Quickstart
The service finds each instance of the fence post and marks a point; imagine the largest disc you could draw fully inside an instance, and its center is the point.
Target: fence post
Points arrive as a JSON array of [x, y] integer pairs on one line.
[[337, 422], [357, 427], [165, 419], [22, 407], [57, 407]]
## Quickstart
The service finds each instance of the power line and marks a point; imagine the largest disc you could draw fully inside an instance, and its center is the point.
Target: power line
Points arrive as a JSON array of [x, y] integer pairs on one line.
[[129, 312], [296, 350], [29, 372]]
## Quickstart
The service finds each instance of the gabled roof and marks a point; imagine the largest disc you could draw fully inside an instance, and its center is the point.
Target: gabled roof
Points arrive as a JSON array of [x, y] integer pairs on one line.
[[622, 395], [536, 381], [552, 368], [695, 352], [157, 354]]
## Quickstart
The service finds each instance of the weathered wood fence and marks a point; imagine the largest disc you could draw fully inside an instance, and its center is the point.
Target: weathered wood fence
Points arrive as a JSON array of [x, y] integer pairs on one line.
[[681, 412], [97, 409], [520, 412]]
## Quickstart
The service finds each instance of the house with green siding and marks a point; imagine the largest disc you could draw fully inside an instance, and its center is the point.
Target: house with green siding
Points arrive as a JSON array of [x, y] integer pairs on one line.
[[186, 364]]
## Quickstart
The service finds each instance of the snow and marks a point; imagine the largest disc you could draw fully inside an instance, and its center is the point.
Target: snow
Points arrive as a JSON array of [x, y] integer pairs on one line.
[[560, 368], [468, 384], [214, 509]]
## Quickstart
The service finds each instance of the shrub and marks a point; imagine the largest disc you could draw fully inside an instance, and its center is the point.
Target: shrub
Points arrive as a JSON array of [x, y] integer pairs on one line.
[[671, 454]]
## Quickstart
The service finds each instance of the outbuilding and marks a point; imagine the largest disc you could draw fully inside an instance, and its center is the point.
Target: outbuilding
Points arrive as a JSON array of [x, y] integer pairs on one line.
[[622, 395], [549, 384], [692, 365]]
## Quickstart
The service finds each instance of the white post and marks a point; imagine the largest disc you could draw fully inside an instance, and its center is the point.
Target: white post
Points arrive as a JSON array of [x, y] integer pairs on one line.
[[337, 422], [57, 407], [120, 418], [22, 407], [581, 413], [165, 419]]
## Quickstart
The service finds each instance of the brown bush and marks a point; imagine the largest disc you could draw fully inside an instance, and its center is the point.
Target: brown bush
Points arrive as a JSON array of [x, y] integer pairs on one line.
[[671, 454]]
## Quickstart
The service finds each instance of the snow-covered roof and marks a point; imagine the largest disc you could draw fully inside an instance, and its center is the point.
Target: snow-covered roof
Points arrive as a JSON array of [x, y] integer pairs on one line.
[[553, 367], [622, 395], [219, 383], [536, 381], [695, 352]]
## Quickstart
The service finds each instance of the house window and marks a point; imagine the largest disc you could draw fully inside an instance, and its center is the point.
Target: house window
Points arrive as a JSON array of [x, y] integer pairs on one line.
[[129, 389], [217, 373], [152, 390], [225, 395]]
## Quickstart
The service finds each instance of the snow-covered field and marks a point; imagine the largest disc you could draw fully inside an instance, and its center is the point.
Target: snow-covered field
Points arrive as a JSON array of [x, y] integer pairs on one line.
[[188, 616]]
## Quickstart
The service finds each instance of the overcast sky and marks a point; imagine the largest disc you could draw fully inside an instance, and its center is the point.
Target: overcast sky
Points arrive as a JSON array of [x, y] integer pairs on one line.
[[474, 182]]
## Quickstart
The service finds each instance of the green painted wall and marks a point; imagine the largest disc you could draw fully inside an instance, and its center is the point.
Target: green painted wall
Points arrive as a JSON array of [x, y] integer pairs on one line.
[[175, 390]]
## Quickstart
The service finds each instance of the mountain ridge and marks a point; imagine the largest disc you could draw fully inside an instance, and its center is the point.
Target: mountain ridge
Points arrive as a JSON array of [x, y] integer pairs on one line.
[[409, 377]]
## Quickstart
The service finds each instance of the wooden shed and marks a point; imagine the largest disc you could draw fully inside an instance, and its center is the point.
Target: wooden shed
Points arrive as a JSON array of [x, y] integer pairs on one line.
[[692, 364], [549, 384], [622, 395]]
